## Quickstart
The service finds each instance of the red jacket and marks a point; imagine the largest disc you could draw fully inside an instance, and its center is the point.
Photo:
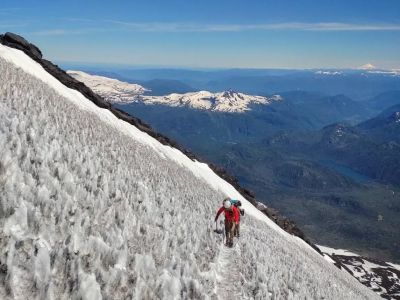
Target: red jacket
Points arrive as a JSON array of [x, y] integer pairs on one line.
[[230, 215]]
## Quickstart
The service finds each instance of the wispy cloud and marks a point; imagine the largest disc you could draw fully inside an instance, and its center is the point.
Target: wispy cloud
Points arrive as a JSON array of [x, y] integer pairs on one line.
[[193, 27], [12, 24], [9, 12], [9, 9], [344, 27], [52, 32], [61, 32], [115, 25]]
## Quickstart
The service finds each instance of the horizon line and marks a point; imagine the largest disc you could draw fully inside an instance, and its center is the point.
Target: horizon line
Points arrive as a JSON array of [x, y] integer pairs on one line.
[[189, 67]]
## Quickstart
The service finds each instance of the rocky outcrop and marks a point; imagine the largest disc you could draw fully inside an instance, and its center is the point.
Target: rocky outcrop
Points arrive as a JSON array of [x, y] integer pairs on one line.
[[18, 42], [381, 277]]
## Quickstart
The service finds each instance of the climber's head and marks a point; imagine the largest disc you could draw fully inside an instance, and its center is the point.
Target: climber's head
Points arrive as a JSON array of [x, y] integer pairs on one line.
[[227, 204]]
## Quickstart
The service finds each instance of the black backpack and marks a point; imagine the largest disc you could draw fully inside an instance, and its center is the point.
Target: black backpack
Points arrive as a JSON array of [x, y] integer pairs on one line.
[[238, 204]]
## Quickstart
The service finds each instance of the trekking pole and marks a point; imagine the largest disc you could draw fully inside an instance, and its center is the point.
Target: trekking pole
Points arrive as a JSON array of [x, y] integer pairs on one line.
[[223, 232]]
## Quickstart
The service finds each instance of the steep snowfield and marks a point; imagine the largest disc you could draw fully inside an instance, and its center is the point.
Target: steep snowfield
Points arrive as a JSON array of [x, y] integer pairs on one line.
[[114, 90], [110, 89], [93, 208]]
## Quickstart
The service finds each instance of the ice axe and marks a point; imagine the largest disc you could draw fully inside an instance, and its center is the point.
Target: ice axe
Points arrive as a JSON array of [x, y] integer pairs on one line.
[[217, 230]]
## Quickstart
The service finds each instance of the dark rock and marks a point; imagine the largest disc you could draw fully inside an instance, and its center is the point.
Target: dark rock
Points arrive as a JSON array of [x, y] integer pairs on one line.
[[18, 42], [382, 278]]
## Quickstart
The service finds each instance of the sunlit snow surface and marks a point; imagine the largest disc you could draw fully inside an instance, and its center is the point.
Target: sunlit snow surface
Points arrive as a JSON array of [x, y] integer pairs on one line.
[[112, 90], [93, 208], [227, 101]]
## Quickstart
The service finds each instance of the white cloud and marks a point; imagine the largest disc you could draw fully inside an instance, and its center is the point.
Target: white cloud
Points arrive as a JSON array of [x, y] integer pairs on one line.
[[116, 25], [197, 27], [12, 24], [52, 32], [59, 32]]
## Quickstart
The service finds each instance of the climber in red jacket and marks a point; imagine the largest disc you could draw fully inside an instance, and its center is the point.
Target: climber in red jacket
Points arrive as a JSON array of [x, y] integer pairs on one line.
[[231, 220]]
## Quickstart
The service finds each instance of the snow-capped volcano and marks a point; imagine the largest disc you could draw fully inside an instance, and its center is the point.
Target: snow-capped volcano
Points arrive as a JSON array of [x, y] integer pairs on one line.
[[112, 90], [227, 101], [367, 66], [92, 208]]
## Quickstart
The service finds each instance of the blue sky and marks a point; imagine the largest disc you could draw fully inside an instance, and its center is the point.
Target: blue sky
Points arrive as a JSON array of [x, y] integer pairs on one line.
[[212, 33]]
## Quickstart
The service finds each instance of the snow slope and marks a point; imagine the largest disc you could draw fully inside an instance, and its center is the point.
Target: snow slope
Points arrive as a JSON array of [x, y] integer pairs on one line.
[[93, 208], [110, 89]]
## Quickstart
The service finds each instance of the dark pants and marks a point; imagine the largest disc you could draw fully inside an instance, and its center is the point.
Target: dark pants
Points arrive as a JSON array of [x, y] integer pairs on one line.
[[237, 233], [229, 231]]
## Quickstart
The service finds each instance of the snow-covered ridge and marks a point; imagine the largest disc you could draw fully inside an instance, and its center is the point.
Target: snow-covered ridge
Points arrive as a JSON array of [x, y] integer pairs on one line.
[[382, 277], [110, 89], [227, 101], [385, 72], [114, 90], [390, 73], [397, 116], [95, 208], [320, 72]]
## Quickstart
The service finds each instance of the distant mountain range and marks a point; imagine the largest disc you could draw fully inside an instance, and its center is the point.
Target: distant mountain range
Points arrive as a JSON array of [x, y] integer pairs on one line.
[[385, 127], [377, 158], [384, 100], [358, 84], [227, 101], [367, 147], [114, 90]]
